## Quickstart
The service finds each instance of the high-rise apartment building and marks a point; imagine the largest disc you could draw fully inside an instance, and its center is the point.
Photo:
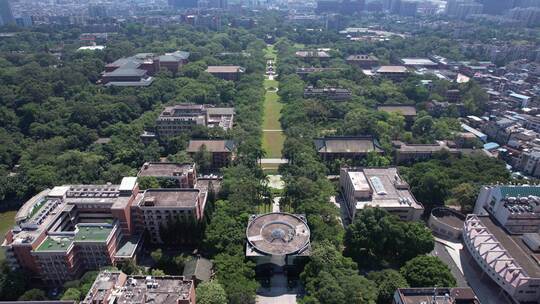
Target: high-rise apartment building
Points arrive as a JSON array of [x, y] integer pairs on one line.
[[6, 14]]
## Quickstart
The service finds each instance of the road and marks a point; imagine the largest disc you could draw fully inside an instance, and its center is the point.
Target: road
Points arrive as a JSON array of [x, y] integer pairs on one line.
[[469, 274]]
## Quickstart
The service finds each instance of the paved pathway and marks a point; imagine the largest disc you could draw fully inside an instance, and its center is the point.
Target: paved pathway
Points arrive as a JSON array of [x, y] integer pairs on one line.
[[275, 181], [443, 252], [273, 161]]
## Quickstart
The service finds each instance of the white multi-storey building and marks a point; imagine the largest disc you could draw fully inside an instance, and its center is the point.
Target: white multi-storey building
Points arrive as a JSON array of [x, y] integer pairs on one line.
[[378, 187], [517, 208]]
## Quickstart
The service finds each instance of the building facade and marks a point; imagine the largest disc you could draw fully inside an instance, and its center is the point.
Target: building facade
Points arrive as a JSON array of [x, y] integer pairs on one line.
[[185, 174], [353, 148], [222, 151], [509, 260], [226, 72], [329, 93], [517, 208], [438, 295], [176, 119]]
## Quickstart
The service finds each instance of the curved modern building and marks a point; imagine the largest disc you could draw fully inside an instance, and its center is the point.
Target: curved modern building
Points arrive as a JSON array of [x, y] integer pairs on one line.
[[446, 223], [510, 260]]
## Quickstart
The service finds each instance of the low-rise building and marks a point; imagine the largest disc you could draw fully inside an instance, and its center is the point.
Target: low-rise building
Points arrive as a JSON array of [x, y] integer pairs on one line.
[[176, 119], [446, 223], [408, 111], [304, 72], [419, 63], [226, 72], [316, 54], [363, 61], [529, 162], [392, 72], [409, 153], [346, 147], [184, 174], [117, 287], [222, 151], [378, 187], [437, 295], [330, 93]]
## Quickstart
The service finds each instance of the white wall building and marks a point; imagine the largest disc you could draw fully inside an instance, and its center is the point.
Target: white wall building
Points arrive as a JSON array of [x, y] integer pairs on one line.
[[378, 187]]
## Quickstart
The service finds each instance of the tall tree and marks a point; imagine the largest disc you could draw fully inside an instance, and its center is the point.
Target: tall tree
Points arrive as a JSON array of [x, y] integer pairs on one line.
[[211, 293], [427, 271]]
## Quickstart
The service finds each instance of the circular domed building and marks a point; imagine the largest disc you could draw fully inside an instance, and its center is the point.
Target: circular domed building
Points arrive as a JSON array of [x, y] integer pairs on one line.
[[277, 237]]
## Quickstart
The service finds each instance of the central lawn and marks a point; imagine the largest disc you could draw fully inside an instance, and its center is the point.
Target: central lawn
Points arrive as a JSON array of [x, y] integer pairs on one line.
[[273, 144], [270, 52], [270, 83], [272, 111], [272, 140]]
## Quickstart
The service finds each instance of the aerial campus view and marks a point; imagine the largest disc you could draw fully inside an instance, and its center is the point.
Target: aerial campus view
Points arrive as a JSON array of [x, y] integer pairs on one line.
[[270, 151]]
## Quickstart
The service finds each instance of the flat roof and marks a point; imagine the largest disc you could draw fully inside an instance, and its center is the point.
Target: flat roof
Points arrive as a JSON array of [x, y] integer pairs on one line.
[[345, 144], [412, 148], [359, 181], [219, 145], [55, 243], [418, 62], [179, 198], [82, 233], [224, 69], [125, 72], [93, 233], [389, 190], [159, 169], [361, 57], [128, 183], [128, 246], [405, 110], [392, 69], [91, 48], [449, 217], [437, 295]]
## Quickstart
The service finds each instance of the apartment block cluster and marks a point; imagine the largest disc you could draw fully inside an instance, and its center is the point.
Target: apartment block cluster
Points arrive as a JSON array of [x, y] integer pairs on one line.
[[62, 232], [503, 237], [522, 12], [511, 126]]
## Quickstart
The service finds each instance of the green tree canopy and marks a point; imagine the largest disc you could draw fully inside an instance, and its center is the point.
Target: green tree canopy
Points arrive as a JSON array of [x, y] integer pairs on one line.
[[211, 293], [376, 238], [427, 271], [387, 281]]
